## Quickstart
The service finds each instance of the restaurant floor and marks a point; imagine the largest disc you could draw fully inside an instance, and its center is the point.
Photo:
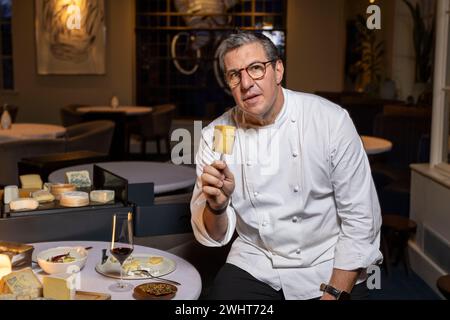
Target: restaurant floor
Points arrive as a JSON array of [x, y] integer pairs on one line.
[[401, 286]]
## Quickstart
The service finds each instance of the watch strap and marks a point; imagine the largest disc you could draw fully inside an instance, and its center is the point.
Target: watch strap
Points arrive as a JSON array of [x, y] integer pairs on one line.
[[338, 294]]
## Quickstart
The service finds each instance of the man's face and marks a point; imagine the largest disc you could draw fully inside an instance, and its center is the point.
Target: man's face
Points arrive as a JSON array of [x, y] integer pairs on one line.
[[255, 97]]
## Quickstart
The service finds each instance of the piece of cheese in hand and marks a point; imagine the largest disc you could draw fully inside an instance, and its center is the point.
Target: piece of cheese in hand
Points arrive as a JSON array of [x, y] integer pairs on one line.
[[60, 286], [224, 139], [23, 204], [31, 181], [21, 282], [79, 178], [102, 196]]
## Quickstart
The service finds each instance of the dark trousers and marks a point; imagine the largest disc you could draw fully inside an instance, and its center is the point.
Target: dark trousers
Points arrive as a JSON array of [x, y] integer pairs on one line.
[[233, 283]]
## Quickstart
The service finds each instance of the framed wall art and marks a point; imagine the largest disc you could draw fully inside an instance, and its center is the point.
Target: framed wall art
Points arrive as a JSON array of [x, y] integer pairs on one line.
[[70, 37]]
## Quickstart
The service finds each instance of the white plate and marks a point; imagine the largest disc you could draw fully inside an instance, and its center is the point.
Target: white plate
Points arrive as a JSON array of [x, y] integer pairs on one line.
[[111, 268]]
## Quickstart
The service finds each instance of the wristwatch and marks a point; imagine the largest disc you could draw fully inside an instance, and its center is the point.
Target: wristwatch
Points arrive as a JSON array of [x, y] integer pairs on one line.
[[338, 294], [216, 212]]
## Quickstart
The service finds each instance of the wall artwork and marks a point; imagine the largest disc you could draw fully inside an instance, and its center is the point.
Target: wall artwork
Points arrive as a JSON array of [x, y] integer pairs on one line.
[[70, 36]]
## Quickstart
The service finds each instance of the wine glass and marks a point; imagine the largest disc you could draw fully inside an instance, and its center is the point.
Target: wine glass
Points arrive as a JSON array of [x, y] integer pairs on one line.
[[121, 248]]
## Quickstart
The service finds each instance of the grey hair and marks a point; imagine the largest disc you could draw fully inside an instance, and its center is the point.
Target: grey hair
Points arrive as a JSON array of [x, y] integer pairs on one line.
[[237, 40]]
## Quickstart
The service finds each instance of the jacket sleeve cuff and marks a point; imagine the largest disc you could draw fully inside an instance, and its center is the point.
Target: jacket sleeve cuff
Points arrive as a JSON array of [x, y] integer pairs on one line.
[[198, 226], [352, 255]]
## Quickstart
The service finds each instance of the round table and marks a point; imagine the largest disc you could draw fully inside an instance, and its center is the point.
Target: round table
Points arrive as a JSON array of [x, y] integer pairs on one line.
[[32, 131], [374, 145], [91, 281], [129, 110], [167, 177]]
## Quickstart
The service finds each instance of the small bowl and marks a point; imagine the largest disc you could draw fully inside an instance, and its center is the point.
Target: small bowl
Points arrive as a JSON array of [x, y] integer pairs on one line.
[[79, 253]]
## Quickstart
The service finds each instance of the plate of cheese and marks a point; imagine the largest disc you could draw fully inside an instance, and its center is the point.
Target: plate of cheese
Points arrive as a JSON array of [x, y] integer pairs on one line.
[[157, 266]]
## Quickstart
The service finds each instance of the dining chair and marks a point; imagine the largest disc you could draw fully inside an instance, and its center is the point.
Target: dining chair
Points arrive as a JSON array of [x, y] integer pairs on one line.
[[120, 145], [156, 126], [91, 136], [69, 115], [13, 151]]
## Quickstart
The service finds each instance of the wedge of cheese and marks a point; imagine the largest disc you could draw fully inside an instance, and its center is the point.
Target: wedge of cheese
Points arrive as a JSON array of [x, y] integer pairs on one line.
[[42, 196], [224, 139], [22, 282], [80, 179], [60, 286], [31, 181]]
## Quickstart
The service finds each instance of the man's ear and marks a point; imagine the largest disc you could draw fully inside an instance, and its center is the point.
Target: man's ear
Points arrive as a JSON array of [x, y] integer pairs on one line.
[[279, 71]]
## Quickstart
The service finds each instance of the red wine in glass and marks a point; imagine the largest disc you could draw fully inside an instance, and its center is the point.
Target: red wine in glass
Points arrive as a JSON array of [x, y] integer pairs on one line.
[[121, 253], [121, 247]]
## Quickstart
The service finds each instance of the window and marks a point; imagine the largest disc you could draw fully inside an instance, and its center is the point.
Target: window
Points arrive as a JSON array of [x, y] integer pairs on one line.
[[176, 49], [6, 60]]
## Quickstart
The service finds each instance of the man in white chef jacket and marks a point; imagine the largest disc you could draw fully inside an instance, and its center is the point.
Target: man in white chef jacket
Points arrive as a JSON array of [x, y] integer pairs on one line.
[[297, 188]]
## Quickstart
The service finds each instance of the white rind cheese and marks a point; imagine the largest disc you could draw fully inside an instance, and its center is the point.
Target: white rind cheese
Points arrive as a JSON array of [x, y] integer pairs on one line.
[[23, 204], [74, 199], [102, 196]]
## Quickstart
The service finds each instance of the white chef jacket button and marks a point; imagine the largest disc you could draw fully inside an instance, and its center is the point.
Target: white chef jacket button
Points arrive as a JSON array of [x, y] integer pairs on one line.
[[296, 188], [294, 120], [264, 224], [249, 163], [294, 219], [295, 154], [255, 194], [297, 251]]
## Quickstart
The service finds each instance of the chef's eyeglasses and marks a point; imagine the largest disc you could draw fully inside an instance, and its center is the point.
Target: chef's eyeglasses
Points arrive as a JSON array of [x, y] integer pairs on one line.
[[256, 71]]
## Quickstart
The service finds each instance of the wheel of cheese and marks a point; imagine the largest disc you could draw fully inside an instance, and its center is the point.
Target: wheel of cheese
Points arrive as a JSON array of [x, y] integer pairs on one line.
[[23, 204], [102, 196], [74, 199], [58, 189]]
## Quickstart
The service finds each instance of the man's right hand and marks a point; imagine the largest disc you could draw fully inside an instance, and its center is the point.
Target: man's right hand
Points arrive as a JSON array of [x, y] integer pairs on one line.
[[218, 184]]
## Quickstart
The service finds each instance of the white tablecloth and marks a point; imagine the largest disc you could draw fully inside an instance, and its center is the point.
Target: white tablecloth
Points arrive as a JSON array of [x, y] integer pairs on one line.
[[91, 281], [166, 177], [374, 145], [31, 131], [129, 110]]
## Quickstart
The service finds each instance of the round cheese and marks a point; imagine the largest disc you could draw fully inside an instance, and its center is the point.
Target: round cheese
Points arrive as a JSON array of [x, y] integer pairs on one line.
[[102, 196], [74, 199], [58, 189]]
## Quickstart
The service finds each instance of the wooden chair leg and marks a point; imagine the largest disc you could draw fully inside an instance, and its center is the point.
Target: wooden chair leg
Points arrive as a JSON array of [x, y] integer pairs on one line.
[[158, 145], [167, 145], [143, 146]]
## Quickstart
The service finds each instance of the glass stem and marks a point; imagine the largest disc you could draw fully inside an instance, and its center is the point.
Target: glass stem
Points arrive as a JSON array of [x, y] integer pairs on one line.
[[121, 276]]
